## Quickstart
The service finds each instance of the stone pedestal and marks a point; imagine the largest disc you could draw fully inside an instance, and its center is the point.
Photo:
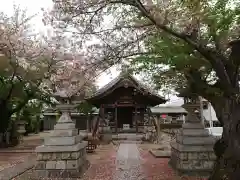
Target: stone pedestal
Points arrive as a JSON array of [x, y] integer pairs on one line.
[[192, 151], [63, 154]]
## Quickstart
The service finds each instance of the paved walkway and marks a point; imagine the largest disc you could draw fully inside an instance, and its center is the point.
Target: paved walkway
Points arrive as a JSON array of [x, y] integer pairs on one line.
[[15, 169], [15, 160], [128, 163], [132, 163]]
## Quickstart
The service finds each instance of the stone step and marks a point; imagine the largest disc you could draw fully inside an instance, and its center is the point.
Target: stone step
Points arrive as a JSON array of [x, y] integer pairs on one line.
[[58, 141], [129, 142], [187, 140], [191, 148], [64, 133], [126, 142], [194, 132], [193, 126]]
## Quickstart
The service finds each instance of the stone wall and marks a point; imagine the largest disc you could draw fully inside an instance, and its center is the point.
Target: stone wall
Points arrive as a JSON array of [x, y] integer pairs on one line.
[[188, 162], [49, 164]]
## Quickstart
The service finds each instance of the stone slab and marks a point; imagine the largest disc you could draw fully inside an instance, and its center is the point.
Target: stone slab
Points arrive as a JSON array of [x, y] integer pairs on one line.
[[184, 172], [192, 126], [73, 164], [194, 132], [60, 173], [187, 140], [58, 141], [195, 148], [64, 133], [71, 148], [62, 126], [61, 165], [160, 153]]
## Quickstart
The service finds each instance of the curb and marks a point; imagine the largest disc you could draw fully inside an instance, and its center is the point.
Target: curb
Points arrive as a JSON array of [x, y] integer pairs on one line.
[[159, 156]]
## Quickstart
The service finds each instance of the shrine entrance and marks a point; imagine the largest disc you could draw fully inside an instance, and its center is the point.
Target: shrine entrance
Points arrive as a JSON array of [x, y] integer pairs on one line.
[[125, 116]]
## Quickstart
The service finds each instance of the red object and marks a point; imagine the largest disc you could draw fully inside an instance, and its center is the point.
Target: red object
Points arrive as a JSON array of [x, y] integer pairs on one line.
[[164, 116]]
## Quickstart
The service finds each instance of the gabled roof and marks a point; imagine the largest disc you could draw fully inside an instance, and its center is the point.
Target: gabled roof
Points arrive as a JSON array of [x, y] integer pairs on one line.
[[127, 77]]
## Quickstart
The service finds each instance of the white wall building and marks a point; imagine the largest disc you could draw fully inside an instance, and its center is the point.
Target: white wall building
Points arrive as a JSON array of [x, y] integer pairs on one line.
[[208, 111]]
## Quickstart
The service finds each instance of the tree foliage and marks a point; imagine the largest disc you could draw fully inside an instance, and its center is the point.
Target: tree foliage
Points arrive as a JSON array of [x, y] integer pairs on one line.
[[198, 39], [33, 65]]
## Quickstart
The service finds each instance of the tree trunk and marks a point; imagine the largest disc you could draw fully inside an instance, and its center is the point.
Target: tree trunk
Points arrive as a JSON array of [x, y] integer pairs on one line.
[[5, 118], [227, 149]]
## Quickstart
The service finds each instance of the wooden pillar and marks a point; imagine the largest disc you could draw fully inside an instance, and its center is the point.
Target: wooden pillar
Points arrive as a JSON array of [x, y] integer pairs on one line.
[[136, 119], [116, 123], [103, 113], [88, 119]]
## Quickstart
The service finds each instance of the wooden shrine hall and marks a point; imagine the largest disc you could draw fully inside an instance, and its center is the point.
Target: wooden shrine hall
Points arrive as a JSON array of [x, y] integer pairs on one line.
[[123, 103]]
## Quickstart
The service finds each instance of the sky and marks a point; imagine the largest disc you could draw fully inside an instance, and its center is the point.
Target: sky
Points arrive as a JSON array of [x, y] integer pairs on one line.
[[34, 7]]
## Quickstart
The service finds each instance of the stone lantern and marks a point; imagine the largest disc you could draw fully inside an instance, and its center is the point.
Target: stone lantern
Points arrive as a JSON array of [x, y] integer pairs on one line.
[[192, 151], [21, 128], [63, 154]]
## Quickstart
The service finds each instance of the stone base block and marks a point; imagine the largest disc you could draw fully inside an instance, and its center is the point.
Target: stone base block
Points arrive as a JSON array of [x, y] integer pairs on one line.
[[62, 141], [192, 163], [196, 172], [62, 173], [61, 164], [160, 153], [57, 156], [55, 149]]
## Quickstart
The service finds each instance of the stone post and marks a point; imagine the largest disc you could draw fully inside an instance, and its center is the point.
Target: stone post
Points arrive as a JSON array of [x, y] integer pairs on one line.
[[63, 154], [192, 151]]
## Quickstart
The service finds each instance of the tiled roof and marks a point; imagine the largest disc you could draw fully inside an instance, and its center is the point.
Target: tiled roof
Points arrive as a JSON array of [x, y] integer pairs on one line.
[[125, 76]]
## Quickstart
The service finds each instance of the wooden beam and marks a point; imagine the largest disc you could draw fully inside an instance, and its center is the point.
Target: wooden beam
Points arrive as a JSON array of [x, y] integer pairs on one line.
[[136, 120], [116, 123]]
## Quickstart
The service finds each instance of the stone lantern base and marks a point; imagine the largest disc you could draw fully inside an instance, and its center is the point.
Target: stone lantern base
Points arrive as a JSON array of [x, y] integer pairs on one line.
[[192, 152], [61, 162], [63, 154]]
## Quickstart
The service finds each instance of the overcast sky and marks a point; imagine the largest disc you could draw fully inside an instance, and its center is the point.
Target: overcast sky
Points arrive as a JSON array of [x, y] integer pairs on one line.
[[34, 7]]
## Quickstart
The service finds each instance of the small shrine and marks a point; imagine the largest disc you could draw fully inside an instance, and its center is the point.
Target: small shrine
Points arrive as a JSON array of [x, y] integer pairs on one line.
[[192, 151], [63, 154], [125, 101]]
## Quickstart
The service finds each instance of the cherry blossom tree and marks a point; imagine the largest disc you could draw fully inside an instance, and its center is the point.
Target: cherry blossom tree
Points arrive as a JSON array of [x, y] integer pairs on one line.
[[22, 64], [33, 64]]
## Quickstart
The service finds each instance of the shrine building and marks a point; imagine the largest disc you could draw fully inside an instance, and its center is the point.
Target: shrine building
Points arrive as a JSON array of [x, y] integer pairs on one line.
[[124, 103]]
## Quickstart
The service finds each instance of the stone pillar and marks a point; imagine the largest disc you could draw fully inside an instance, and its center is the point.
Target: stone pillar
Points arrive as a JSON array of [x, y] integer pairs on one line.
[[192, 151], [63, 154]]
